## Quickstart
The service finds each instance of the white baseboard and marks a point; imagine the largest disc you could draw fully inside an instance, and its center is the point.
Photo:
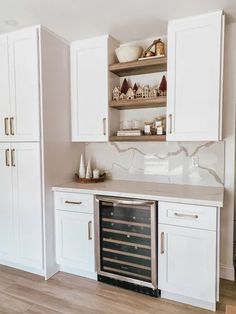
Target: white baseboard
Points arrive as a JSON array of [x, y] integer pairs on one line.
[[227, 272], [187, 300], [28, 269], [51, 271], [78, 272]]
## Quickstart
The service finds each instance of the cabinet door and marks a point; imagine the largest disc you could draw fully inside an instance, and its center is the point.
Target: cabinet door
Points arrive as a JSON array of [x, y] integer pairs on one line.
[[6, 207], [89, 90], [4, 90], [26, 170], [195, 58], [24, 82], [187, 262], [75, 240]]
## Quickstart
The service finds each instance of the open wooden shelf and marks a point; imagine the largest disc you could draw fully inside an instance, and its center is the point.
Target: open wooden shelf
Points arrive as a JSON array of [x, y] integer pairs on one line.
[[159, 101], [142, 138], [139, 67]]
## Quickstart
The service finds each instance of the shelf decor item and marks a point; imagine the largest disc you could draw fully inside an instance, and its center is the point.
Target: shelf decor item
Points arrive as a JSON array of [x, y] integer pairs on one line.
[[82, 167], [159, 48], [116, 93], [135, 88], [128, 53], [89, 170], [139, 92], [96, 174], [148, 128], [159, 52], [153, 93], [130, 94], [101, 178], [124, 86], [163, 86], [146, 90]]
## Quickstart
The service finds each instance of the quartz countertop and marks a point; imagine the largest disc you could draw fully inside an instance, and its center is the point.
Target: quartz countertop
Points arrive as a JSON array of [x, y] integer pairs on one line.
[[189, 194]]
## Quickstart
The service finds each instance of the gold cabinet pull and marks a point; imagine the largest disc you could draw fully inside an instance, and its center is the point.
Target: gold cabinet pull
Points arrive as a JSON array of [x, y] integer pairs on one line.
[[89, 230], [6, 123], [13, 160], [170, 123], [7, 156], [162, 242], [104, 126], [12, 126], [186, 215], [73, 202]]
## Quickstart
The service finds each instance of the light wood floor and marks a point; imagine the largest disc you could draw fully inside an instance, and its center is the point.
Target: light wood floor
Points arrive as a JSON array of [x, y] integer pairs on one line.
[[21, 292]]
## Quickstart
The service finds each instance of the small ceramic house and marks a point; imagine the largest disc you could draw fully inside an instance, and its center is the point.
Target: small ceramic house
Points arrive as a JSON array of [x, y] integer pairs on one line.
[[153, 93], [122, 96], [130, 94], [139, 92], [145, 91], [116, 93]]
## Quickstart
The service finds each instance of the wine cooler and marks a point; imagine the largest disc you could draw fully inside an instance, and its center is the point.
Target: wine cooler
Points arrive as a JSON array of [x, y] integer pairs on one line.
[[127, 243]]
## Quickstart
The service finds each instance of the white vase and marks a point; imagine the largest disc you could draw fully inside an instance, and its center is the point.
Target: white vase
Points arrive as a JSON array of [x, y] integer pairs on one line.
[[89, 170], [82, 167]]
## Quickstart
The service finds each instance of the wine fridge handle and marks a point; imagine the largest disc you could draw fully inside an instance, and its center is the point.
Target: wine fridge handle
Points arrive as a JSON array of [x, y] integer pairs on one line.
[[125, 202]]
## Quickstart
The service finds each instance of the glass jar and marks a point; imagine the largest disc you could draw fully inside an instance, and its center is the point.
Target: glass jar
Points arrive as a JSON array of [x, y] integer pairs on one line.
[[148, 128]]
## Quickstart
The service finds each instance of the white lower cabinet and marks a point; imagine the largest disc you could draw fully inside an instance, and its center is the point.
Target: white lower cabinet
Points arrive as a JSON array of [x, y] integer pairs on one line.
[[187, 258], [21, 230], [75, 239]]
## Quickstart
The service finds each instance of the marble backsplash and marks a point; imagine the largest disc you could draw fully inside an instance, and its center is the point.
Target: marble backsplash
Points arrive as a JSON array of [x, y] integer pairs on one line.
[[170, 162]]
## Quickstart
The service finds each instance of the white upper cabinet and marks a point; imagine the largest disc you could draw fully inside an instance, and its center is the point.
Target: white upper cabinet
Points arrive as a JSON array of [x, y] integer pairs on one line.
[[19, 86], [24, 84], [90, 89], [4, 90], [195, 55]]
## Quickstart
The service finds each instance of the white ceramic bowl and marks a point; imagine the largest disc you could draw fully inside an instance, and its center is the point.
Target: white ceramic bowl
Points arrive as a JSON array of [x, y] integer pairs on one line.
[[128, 53]]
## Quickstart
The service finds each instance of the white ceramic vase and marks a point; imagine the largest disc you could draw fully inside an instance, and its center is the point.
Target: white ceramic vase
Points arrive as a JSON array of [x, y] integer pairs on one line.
[[89, 170], [82, 167]]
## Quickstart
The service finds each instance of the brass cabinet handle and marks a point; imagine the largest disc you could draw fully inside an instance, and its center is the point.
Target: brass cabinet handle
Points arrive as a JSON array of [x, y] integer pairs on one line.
[[104, 126], [162, 242], [7, 156], [89, 230], [12, 126], [6, 123], [13, 160], [72, 202], [170, 123], [186, 215]]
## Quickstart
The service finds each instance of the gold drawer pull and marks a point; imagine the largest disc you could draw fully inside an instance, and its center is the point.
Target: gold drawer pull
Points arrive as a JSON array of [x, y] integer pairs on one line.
[[7, 154], [73, 203], [170, 121], [12, 126], [89, 230], [104, 126], [6, 123], [186, 215], [162, 243], [13, 159]]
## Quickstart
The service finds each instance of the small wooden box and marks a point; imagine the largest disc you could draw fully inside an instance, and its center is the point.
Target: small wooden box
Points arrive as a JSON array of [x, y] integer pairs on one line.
[[230, 309]]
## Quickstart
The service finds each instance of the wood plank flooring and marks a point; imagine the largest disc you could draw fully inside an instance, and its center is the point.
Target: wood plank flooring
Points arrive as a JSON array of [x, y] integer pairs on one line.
[[21, 292]]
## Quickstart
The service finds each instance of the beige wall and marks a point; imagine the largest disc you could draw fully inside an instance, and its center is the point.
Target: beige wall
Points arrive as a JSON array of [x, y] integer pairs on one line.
[[227, 214]]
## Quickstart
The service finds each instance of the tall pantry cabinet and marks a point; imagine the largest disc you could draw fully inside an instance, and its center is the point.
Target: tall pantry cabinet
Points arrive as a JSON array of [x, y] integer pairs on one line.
[[35, 144]]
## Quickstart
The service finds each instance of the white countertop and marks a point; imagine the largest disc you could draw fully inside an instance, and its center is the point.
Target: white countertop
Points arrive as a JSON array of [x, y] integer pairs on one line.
[[189, 194]]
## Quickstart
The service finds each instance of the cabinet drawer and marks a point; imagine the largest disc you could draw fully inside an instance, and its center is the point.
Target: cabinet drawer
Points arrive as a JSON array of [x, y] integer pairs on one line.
[[194, 216], [76, 202]]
